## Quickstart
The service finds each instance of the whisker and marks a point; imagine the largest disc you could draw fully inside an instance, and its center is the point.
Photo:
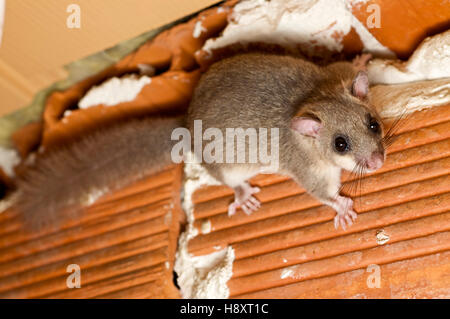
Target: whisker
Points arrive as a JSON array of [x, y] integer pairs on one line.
[[399, 122], [362, 173], [357, 180], [349, 185]]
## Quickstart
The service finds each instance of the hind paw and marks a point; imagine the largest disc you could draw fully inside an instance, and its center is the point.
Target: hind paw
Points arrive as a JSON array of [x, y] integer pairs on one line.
[[245, 200], [345, 216]]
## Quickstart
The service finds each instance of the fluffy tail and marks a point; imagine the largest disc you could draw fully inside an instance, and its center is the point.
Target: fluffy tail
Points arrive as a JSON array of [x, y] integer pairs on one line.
[[65, 180]]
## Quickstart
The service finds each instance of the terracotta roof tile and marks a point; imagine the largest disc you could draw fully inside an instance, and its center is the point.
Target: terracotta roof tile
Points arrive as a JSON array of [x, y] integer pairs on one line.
[[126, 239], [420, 277], [412, 19]]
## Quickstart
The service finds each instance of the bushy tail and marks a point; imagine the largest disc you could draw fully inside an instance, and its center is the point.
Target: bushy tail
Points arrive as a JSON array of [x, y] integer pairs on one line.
[[65, 180]]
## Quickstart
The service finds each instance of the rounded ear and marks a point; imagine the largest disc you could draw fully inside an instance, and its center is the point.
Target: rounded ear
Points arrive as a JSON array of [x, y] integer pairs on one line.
[[360, 85], [306, 126]]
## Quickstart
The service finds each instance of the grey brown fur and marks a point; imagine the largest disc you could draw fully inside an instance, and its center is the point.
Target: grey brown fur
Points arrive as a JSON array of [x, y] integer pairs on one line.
[[256, 90], [62, 182], [249, 90]]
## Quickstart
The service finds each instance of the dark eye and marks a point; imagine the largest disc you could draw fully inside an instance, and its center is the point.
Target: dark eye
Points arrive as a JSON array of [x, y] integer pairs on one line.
[[341, 144], [374, 126]]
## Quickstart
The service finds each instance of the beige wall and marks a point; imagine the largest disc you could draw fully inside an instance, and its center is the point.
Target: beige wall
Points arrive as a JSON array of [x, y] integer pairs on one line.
[[37, 43]]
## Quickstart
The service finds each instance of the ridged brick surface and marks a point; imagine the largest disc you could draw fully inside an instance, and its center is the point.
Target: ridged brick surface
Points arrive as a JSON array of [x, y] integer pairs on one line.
[[124, 244]]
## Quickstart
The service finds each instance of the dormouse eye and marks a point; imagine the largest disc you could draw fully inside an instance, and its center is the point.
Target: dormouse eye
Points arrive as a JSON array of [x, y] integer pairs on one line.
[[341, 144], [374, 126]]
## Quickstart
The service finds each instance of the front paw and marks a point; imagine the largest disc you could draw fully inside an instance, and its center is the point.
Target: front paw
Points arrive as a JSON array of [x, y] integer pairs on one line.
[[345, 216], [360, 62], [249, 205], [245, 200]]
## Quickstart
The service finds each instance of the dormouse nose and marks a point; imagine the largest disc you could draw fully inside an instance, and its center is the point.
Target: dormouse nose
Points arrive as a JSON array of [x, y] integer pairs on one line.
[[375, 161]]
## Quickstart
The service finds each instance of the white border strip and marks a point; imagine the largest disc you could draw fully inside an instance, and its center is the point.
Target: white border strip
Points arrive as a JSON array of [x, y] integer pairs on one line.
[[2, 18]]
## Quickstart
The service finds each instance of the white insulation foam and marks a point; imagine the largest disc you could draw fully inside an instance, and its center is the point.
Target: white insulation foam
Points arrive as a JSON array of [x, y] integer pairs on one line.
[[9, 158], [396, 100], [430, 61], [293, 22], [115, 91], [198, 29], [421, 82], [200, 276]]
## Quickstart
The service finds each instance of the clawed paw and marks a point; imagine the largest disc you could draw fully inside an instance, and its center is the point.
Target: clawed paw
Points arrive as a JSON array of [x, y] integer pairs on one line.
[[360, 62], [345, 216], [245, 200], [249, 206]]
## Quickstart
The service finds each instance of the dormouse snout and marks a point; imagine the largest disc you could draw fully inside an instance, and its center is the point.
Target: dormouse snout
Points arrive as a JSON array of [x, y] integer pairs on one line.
[[375, 161]]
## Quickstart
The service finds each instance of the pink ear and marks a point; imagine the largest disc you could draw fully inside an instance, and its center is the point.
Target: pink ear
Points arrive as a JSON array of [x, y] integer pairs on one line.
[[360, 85], [306, 126]]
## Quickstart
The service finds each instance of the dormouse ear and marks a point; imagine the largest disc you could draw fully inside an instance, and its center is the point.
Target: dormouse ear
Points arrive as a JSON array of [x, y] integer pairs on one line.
[[306, 126], [360, 85]]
